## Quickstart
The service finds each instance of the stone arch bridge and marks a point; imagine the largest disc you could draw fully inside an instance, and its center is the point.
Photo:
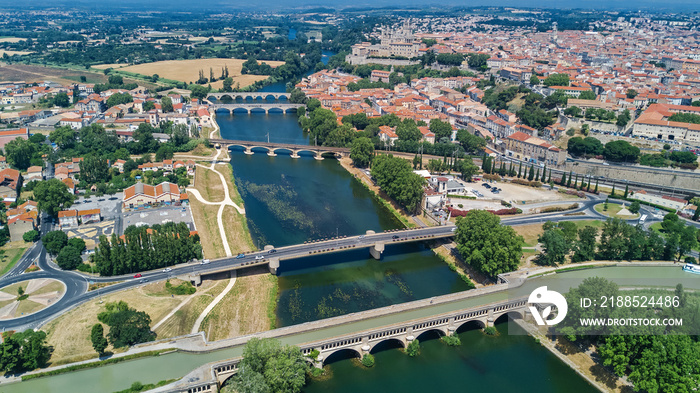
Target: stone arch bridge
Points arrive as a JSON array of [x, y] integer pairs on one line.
[[364, 342], [272, 148], [249, 107], [248, 96]]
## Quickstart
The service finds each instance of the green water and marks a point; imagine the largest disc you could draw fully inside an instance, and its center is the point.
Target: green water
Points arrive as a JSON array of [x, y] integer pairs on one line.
[[505, 363]]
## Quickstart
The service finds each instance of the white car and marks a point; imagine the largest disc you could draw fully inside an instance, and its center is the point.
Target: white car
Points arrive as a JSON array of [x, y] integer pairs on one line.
[[204, 262], [166, 270], [259, 257], [454, 229]]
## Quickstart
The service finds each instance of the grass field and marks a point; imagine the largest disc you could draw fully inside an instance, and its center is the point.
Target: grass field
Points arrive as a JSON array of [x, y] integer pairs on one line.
[[13, 251], [531, 232], [64, 75], [188, 70], [613, 211], [69, 334], [247, 308]]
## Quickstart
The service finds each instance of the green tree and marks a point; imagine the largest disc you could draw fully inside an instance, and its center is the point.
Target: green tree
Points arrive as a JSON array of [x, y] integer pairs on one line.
[[620, 150], [54, 241], [441, 129], [94, 169], [166, 104], [268, 366], [534, 80], [634, 207], [572, 111], [164, 152], [557, 80], [126, 325], [227, 84], [52, 196], [471, 143], [395, 177], [30, 236], [468, 169], [68, 258], [24, 351], [64, 137], [584, 249], [487, 245], [148, 105], [78, 244], [555, 248], [624, 118], [62, 100], [563, 179], [587, 95], [531, 174], [631, 93], [19, 153], [99, 342], [118, 99]]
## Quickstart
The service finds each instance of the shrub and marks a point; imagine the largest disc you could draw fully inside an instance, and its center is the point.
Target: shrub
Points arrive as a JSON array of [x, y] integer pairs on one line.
[[690, 260], [368, 360], [528, 183], [492, 176], [491, 330], [413, 348], [30, 236], [553, 209], [452, 341], [186, 288], [506, 204], [579, 194], [84, 267]]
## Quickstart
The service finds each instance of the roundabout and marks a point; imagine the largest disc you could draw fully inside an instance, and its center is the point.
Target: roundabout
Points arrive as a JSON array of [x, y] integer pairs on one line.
[[27, 297]]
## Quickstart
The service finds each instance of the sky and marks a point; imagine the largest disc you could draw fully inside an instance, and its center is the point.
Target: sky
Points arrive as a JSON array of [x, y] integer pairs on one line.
[[667, 5]]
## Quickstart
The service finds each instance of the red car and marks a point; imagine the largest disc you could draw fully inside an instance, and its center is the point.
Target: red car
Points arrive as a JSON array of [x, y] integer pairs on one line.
[[137, 275]]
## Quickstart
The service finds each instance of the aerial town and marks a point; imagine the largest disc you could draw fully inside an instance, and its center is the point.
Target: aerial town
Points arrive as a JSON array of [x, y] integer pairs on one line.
[[280, 201]]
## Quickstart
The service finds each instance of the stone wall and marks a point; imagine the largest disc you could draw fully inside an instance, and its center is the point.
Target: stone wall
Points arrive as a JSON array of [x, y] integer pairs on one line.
[[670, 178]]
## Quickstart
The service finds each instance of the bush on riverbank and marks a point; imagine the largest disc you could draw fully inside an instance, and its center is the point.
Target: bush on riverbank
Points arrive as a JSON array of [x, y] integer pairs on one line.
[[368, 360], [452, 340], [413, 348], [491, 331]]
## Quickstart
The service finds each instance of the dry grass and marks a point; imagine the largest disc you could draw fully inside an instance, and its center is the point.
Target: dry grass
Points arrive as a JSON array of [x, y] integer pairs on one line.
[[12, 39], [69, 334], [227, 171], [244, 310], [209, 185], [182, 320], [589, 367], [530, 233], [205, 219], [201, 150], [188, 70], [237, 232]]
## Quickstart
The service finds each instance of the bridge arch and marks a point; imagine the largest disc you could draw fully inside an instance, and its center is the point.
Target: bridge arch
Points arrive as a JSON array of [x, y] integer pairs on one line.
[[470, 325], [341, 354], [282, 149], [430, 333], [503, 317], [387, 344], [225, 99]]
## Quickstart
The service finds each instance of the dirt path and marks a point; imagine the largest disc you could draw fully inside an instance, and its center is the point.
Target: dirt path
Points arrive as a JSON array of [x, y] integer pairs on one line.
[[200, 318], [222, 204]]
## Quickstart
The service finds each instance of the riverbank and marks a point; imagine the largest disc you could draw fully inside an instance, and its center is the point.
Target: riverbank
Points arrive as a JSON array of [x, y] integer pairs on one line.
[[578, 360], [389, 203]]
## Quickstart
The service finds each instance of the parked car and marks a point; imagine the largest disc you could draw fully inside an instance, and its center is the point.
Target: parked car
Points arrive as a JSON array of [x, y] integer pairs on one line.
[[137, 275]]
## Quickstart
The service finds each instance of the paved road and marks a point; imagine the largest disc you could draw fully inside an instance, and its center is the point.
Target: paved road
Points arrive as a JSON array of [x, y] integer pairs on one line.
[[77, 283]]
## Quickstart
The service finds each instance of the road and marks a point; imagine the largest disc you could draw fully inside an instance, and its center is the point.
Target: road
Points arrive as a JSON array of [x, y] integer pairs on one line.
[[77, 283]]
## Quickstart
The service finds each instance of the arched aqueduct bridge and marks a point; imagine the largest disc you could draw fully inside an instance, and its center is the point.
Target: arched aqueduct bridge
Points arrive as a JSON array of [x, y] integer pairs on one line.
[[272, 148], [373, 337], [249, 107], [248, 96]]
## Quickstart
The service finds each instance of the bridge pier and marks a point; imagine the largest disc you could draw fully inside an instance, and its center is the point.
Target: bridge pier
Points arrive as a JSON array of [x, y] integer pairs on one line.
[[318, 156], [248, 151], [271, 153], [489, 318], [295, 154], [376, 250], [274, 264]]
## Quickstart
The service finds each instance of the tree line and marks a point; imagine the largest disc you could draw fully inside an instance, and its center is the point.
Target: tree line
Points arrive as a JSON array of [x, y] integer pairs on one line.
[[143, 248]]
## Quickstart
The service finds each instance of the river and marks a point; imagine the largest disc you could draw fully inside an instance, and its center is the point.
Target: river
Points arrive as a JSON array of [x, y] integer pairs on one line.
[[290, 201]]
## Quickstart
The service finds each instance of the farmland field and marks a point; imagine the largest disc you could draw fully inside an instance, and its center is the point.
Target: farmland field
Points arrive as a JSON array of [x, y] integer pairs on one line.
[[37, 73], [188, 70]]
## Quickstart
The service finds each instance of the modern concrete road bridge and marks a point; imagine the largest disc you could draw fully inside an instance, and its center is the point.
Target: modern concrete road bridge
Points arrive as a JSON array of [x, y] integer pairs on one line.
[[374, 241], [251, 106], [246, 96], [271, 148]]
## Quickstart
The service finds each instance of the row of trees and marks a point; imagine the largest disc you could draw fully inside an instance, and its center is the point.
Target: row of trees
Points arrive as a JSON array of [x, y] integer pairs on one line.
[[24, 351], [143, 248], [618, 241], [654, 358], [619, 150], [395, 177]]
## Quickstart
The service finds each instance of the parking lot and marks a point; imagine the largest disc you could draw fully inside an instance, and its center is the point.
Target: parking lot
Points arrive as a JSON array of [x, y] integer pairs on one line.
[[109, 205], [159, 215]]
